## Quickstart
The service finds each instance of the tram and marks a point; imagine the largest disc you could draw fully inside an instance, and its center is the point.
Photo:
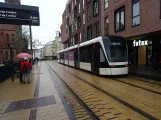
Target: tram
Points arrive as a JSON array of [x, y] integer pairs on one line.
[[104, 55]]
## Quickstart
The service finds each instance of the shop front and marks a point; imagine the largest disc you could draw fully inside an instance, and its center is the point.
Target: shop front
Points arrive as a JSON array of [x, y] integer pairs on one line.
[[145, 52]]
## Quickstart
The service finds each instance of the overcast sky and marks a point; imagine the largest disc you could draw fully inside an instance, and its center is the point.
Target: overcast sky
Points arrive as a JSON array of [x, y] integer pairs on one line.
[[50, 17]]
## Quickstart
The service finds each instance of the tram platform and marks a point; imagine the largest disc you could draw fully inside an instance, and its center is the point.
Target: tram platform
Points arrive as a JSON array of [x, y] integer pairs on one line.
[[38, 100], [145, 72]]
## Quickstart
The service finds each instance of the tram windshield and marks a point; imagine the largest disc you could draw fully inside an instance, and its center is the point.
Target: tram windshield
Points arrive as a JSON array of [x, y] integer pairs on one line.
[[115, 49], [118, 53]]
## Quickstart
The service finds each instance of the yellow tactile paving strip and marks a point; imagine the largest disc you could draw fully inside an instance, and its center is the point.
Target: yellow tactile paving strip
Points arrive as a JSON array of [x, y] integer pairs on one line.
[[142, 99], [104, 106], [46, 88], [79, 112], [14, 91]]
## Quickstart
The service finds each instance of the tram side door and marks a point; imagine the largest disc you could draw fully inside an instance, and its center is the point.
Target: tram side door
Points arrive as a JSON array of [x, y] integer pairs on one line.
[[95, 58]]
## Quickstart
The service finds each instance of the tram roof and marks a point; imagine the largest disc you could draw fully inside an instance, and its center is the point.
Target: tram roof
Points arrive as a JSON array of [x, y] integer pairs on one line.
[[75, 46], [91, 41]]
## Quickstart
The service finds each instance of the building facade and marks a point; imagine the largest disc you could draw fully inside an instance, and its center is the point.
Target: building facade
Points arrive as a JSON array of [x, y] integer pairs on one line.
[[139, 21], [49, 50], [7, 36]]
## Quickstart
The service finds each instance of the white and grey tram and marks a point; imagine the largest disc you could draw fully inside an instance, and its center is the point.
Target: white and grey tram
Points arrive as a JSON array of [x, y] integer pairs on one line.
[[104, 55]]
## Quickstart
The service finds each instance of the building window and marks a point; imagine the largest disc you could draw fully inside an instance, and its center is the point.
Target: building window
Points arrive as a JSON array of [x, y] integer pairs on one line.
[[72, 5], [89, 32], [96, 29], [67, 22], [69, 7], [83, 4], [88, 1], [76, 25], [106, 4], [120, 19], [95, 8], [79, 8], [80, 37], [75, 12], [106, 25], [79, 22], [84, 18], [7, 37], [75, 2], [13, 38], [135, 12]]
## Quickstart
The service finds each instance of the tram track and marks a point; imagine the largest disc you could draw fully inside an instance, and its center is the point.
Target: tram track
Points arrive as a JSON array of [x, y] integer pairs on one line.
[[131, 84], [87, 109], [143, 113]]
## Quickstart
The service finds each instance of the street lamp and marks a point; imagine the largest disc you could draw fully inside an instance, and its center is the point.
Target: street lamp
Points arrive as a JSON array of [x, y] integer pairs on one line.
[[11, 59]]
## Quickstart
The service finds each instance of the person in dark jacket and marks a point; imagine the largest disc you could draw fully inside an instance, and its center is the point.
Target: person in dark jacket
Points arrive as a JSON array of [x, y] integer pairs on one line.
[[21, 81]]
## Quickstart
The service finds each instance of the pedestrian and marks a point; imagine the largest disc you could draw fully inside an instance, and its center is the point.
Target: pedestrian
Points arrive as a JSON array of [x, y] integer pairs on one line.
[[25, 70], [154, 61], [30, 67], [20, 71]]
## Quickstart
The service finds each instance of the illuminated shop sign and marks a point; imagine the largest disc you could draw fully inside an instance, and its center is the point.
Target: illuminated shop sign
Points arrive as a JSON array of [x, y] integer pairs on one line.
[[140, 43]]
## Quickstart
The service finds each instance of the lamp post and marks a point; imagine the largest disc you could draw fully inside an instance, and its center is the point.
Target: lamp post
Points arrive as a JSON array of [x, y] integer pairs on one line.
[[11, 59]]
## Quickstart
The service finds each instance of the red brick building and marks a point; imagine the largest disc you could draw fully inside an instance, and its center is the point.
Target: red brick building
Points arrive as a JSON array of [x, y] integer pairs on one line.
[[7, 36], [138, 21]]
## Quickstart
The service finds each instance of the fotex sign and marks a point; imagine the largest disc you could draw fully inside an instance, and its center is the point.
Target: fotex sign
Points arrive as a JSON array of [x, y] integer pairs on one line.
[[140, 43]]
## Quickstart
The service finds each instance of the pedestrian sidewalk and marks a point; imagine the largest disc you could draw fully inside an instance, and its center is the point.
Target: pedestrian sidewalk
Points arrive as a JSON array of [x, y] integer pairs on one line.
[[38, 100], [145, 72]]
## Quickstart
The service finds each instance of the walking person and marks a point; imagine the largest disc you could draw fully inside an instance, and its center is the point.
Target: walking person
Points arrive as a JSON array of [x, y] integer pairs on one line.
[[25, 70], [30, 68], [20, 71]]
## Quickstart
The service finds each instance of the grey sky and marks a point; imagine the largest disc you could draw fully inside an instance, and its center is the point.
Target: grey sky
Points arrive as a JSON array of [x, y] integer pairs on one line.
[[50, 17]]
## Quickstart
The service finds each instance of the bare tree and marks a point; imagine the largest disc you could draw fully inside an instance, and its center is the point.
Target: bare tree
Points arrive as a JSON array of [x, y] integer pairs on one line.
[[22, 40]]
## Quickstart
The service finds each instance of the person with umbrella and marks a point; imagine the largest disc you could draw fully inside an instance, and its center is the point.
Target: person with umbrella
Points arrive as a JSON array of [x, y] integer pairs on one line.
[[24, 68]]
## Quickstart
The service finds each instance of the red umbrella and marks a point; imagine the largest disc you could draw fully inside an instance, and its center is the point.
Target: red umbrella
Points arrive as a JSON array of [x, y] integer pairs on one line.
[[23, 55]]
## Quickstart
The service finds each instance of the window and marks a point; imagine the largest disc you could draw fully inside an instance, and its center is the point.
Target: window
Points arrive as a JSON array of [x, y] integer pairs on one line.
[[95, 8], [13, 38], [106, 4], [88, 1], [7, 37], [120, 19], [75, 12], [79, 22], [76, 25], [80, 37], [96, 29], [83, 4], [89, 32], [84, 18], [79, 8], [72, 5], [69, 7], [67, 21], [106, 25], [135, 12], [75, 2]]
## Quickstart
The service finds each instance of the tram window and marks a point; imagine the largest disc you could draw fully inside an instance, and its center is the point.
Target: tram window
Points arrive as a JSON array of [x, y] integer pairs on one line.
[[102, 57], [85, 54]]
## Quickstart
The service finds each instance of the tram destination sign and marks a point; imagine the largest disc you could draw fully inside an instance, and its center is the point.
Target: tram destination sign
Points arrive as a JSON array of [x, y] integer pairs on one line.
[[19, 14]]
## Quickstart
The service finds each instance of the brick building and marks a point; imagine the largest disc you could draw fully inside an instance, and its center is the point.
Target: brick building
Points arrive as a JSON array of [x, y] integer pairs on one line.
[[138, 21], [7, 36]]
